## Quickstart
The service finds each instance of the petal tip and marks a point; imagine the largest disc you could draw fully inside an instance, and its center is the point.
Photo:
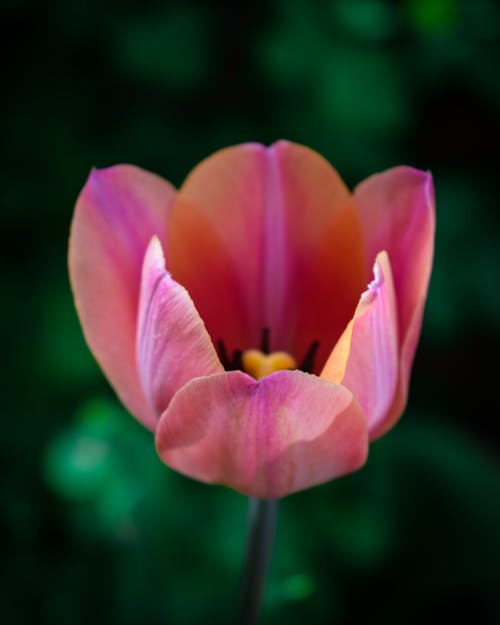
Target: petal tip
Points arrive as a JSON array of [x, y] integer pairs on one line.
[[421, 178], [380, 269], [429, 190], [97, 181], [98, 175], [280, 144], [155, 251]]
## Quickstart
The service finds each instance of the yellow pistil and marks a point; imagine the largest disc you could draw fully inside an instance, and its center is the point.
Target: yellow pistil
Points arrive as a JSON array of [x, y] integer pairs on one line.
[[258, 365]]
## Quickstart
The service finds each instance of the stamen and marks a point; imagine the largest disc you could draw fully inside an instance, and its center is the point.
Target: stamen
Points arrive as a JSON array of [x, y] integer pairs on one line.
[[229, 364], [264, 344], [237, 360], [258, 365], [307, 363], [224, 358]]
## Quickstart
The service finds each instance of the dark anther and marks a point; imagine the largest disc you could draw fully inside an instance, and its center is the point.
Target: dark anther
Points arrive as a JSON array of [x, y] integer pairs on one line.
[[224, 358], [229, 364], [264, 344], [307, 363], [237, 360]]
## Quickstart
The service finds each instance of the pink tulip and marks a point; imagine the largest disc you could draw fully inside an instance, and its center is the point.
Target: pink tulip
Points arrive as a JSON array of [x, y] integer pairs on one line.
[[254, 348]]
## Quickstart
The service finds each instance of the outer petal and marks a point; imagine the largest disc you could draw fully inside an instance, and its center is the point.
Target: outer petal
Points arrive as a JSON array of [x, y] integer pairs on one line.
[[173, 345], [397, 213], [366, 358], [117, 213], [284, 433], [279, 230]]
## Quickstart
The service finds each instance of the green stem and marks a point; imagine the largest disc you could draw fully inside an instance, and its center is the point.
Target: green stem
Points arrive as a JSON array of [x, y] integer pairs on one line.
[[262, 515]]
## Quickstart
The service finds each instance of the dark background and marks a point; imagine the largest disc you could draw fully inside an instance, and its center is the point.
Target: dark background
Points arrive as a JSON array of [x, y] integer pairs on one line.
[[94, 528]]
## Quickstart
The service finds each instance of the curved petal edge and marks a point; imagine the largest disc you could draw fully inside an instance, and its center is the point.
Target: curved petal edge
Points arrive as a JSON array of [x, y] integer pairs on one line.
[[117, 213], [173, 345], [397, 211], [366, 358], [267, 438]]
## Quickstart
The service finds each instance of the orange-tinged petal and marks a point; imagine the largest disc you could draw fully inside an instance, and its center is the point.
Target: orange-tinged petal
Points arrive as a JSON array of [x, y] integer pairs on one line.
[[216, 240], [173, 345], [265, 438], [397, 211], [366, 358], [117, 213], [268, 238], [326, 255]]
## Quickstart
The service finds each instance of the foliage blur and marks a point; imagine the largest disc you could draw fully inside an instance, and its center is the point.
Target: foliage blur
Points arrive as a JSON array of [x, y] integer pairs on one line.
[[93, 527]]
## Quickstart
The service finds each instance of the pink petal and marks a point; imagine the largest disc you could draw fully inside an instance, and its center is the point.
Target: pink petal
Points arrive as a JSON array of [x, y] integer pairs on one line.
[[268, 238], [117, 213], [173, 345], [326, 254], [398, 215], [284, 433], [366, 359]]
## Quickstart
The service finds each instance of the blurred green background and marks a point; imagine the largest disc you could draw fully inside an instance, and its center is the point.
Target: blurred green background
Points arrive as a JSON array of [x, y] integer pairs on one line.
[[94, 528]]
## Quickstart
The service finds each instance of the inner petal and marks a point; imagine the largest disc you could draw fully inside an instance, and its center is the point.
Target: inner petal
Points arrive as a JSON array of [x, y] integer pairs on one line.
[[326, 251], [213, 243], [268, 238]]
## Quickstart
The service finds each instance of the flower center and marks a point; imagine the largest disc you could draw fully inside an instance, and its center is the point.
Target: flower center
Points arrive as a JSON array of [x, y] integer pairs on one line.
[[258, 365], [259, 362]]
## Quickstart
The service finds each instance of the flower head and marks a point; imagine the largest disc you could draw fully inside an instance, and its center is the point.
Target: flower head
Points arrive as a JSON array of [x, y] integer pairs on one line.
[[233, 316]]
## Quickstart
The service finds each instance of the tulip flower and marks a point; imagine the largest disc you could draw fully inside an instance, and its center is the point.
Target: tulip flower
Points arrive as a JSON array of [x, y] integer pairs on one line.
[[262, 320]]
